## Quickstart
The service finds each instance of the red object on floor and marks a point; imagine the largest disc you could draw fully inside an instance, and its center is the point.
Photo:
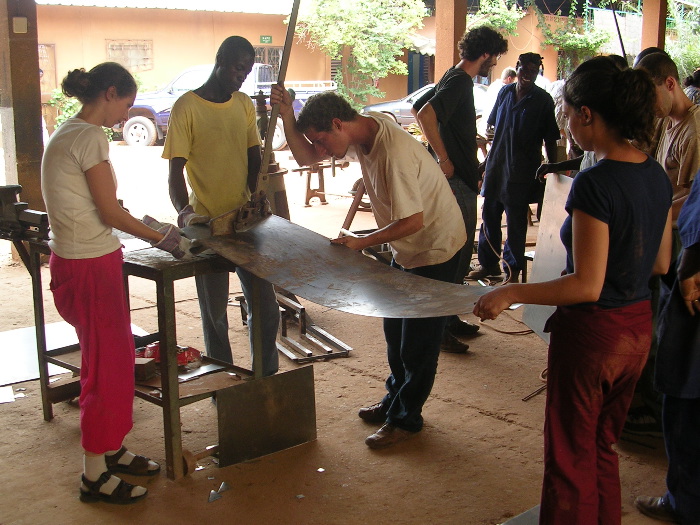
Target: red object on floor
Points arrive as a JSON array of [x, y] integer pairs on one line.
[[185, 354]]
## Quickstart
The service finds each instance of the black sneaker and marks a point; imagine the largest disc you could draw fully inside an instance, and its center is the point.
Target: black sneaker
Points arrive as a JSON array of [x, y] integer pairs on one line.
[[657, 508], [641, 422], [482, 273], [374, 414], [462, 328], [451, 345]]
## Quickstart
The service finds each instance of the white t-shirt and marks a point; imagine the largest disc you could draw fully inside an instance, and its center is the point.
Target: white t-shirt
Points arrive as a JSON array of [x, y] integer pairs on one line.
[[77, 231], [402, 179]]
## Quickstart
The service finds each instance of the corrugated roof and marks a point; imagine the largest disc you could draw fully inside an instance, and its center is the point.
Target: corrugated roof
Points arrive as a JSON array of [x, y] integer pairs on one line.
[[268, 7]]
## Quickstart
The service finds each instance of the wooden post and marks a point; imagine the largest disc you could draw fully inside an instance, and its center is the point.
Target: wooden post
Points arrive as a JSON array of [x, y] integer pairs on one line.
[[20, 98]]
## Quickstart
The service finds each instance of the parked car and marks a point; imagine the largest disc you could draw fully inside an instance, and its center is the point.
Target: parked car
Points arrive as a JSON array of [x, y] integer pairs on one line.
[[400, 109], [149, 116]]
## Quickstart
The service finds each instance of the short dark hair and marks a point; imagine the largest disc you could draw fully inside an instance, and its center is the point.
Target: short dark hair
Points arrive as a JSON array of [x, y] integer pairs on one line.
[[647, 51], [624, 98], [659, 66], [86, 86], [320, 110], [529, 58], [480, 40], [235, 45], [693, 79]]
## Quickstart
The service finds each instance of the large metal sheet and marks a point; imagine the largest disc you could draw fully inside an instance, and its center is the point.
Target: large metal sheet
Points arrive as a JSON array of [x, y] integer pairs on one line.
[[308, 265], [266, 415], [550, 257]]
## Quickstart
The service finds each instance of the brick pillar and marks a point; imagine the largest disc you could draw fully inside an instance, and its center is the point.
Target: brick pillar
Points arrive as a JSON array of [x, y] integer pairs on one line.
[[450, 24], [654, 23]]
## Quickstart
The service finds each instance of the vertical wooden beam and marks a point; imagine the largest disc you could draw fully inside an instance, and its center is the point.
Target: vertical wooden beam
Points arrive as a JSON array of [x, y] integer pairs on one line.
[[450, 24], [654, 23], [20, 98]]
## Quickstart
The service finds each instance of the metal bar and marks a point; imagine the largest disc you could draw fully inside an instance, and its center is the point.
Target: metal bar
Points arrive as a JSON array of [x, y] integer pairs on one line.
[[34, 268], [267, 150]]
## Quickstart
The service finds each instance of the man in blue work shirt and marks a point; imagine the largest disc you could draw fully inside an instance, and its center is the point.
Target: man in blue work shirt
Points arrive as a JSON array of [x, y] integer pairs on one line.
[[523, 118]]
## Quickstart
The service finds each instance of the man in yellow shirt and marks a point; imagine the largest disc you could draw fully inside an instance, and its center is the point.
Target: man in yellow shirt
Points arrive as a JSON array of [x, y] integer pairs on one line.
[[213, 135]]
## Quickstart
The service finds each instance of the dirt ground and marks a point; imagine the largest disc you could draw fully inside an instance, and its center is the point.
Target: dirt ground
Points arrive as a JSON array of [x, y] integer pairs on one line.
[[478, 460]]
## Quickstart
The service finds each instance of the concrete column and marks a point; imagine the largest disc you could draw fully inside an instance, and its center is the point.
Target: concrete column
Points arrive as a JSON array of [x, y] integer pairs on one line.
[[654, 23], [20, 99], [450, 24]]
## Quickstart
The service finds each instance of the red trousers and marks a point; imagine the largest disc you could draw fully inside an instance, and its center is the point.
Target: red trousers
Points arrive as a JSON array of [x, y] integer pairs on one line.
[[89, 294], [595, 359]]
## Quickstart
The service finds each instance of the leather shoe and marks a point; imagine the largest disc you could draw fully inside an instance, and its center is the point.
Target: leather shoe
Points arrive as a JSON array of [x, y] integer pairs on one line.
[[657, 508], [374, 414], [462, 328], [451, 345], [388, 435]]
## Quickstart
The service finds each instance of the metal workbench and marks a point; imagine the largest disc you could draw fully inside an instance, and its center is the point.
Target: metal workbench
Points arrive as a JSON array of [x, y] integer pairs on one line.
[[172, 393]]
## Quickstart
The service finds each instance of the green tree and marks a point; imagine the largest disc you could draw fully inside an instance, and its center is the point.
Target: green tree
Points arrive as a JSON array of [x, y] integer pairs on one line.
[[369, 35], [683, 36], [575, 39], [502, 15]]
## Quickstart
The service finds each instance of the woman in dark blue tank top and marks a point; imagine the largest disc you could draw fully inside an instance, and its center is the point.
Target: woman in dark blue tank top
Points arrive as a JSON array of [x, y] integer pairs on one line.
[[617, 235]]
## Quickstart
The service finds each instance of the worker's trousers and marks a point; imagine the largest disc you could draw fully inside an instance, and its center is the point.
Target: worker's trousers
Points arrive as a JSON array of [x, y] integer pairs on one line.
[[413, 348], [595, 358], [89, 294], [213, 292], [681, 423], [491, 236]]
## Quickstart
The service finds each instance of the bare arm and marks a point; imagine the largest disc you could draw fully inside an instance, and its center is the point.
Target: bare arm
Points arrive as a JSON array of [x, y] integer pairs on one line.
[[304, 152], [663, 258], [550, 147], [427, 119], [590, 252], [679, 199], [104, 193], [392, 232], [566, 165], [254, 165], [176, 183]]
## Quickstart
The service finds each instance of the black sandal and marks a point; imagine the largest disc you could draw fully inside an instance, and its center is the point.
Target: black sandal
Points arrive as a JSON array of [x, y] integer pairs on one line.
[[121, 495], [137, 467]]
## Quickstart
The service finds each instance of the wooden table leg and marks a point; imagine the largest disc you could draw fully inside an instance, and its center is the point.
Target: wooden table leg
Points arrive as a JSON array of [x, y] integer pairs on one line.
[[165, 294]]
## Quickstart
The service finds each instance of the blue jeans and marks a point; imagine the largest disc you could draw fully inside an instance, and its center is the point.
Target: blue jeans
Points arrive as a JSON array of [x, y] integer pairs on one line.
[[466, 199], [490, 235], [213, 293], [413, 347], [682, 438]]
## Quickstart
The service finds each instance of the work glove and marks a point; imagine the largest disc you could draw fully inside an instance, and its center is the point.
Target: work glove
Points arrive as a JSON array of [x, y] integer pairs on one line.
[[173, 242], [152, 223], [187, 217]]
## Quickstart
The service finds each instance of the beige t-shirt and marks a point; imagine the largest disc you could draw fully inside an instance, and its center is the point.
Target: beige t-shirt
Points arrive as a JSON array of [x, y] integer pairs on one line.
[[77, 231], [402, 179], [679, 150], [214, 138]]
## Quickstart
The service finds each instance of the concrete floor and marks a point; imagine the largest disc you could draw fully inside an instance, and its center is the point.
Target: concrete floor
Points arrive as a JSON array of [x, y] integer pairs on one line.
[[477, 462]]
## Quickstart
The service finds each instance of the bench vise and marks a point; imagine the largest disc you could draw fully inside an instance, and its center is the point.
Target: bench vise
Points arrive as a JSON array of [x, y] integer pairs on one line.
[[17, 222]]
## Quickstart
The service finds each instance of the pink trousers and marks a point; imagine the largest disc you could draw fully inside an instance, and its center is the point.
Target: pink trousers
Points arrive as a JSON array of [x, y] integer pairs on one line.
[[595, 359], [89, 294]]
